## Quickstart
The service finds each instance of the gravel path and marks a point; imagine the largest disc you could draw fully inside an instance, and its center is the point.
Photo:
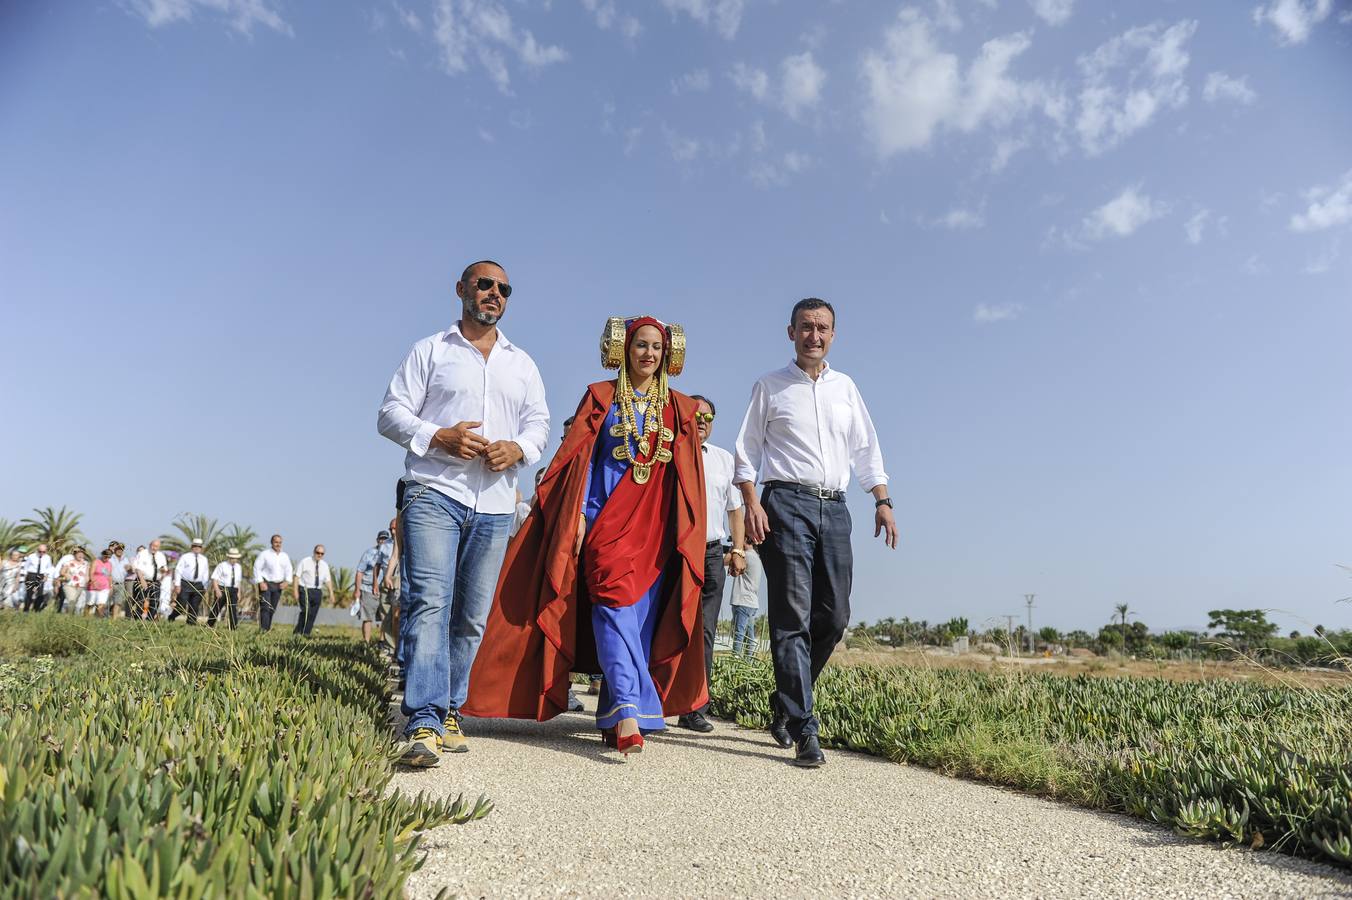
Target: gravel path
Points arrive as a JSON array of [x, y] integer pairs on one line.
[[725, 815]]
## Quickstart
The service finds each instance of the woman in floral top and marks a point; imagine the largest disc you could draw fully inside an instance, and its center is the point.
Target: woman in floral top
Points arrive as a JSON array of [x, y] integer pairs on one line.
[[74, 580]]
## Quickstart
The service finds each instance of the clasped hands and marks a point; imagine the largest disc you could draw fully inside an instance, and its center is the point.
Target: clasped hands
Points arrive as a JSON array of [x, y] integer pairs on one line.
[[461, 442]]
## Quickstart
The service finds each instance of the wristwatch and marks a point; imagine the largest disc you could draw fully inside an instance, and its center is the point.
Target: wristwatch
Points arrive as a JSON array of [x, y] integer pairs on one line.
[[737, 551], [886, 501]]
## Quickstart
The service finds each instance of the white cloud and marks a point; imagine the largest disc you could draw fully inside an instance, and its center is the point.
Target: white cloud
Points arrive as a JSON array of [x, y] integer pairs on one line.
[[1328, 207], [1005, 148], [242, 15], [486, 136], [768, 173], [697, 81], [990, 313], [608, 17], [752, 81], [484, 28], [1293, 19], [883, 218], [1220, 86], [914, 89], [1053, 12], [961, 219], [803, 80], [1128, 80], [1122, 215], [409, 18], [683, 149], [1323, 261], [724, 16], [1196, 226]]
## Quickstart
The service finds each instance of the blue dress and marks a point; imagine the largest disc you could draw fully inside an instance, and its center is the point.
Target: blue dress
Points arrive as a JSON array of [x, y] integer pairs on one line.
[[624, 635]]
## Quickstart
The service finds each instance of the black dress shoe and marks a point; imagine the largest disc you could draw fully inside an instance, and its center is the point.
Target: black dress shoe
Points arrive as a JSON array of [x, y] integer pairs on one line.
[[695, 721], [810, 753], [779, 725]]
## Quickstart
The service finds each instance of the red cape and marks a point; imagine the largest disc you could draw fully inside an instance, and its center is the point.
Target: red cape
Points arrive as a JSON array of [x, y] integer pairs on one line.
[[539, 628]]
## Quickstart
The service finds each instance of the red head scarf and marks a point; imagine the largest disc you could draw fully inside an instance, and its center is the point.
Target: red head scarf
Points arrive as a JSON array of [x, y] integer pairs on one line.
[[632, 328]]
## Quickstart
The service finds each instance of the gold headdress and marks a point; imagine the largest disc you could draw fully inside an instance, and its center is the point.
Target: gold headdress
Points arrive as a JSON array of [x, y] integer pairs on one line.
[[614, 355]]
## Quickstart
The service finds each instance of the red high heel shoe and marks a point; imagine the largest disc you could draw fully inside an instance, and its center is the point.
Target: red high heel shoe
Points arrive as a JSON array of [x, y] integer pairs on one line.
[[629, 743], [608, 737]]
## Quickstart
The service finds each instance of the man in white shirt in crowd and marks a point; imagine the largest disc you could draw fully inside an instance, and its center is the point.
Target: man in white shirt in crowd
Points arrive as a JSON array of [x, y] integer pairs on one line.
[[805, 430], [312, 576], [469, 407], [272, 573], [150, 566], [225, 584], [190, 582], [38, 569], [724, 522], [369, 569], [117, 597], [745, 604], [56, 584]]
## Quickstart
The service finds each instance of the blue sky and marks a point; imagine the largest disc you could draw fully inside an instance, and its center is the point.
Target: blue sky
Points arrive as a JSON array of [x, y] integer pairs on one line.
[[1092, 262]]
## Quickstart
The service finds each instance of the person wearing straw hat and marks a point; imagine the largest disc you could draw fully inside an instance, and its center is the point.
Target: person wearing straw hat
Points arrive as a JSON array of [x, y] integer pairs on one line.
[[225, 583], [190, 582], [469, 408], [607, 568]]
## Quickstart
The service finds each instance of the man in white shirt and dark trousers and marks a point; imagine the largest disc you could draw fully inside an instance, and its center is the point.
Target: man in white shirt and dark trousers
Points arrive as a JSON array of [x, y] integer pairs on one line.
[[190, 582], [150, 566], [272, 573], [38, 569], [312, 575], [469, 407], [225, 582], [805, 430], [724, 507]]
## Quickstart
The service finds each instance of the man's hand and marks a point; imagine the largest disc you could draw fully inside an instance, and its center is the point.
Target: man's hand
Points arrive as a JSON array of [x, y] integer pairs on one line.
[[883, 519], [459, 440], [387, 583], [736, 565], [503, 455], [757, 523]]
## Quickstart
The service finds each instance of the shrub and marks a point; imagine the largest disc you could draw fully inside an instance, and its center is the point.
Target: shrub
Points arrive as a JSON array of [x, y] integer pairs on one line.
[[175, 761], [1262, 765]]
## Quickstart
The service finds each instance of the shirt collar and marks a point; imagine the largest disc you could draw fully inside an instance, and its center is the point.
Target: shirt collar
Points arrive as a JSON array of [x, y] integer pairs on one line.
[[502, 338], [803, 376]]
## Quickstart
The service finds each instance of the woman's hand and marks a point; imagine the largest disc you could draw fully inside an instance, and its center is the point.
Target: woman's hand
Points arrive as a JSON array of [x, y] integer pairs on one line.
[[581, 534]]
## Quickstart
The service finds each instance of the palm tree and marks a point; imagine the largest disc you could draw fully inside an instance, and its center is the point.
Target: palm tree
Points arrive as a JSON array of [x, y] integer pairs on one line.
[[59, 529], [11, 535], [344, 583], [1122, 611], [196, 526], [243, 539]]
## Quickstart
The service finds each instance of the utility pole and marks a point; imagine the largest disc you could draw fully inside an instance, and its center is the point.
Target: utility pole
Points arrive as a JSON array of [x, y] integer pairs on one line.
[[1032, 645], [1009, 633]]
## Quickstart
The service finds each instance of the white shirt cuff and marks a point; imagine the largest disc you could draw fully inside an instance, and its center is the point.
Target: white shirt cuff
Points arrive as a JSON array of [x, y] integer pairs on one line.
[[422, 438]]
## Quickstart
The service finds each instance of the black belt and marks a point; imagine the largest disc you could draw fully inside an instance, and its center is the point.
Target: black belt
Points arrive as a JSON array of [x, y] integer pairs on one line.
[[810, 490], [712, 544]]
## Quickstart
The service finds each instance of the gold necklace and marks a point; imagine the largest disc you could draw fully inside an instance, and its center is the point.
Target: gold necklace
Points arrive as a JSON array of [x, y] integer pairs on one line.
[[627, 428]]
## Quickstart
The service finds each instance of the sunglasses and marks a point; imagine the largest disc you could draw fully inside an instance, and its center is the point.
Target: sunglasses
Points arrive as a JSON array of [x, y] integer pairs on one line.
[[704, 418], [485, 284]]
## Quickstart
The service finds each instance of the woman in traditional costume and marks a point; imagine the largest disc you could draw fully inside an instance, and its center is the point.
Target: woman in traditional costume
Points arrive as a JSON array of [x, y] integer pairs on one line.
[[607, 567]]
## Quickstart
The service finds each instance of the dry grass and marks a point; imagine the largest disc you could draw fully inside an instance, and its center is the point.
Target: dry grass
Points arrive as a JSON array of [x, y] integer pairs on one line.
[[1103, 667]]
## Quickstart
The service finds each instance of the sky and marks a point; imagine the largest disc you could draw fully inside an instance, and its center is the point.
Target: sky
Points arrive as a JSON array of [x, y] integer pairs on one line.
[[1092, 263]]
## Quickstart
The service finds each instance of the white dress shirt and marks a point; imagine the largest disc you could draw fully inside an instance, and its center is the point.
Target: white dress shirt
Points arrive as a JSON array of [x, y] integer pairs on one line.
[[808, 432], [191, 567], [35, 565], [61, 564], [721, 497], [519, 518], [272, 566], [121, 566], [148, 567], [227, 574], [307, 574], [446, 380]]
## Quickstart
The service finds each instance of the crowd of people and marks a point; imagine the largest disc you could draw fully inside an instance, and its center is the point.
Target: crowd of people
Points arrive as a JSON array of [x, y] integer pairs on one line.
[[616, 567]]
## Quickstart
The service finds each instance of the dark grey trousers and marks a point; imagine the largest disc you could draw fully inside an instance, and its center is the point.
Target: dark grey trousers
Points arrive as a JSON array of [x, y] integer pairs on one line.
[[809, 567], [711, 600]]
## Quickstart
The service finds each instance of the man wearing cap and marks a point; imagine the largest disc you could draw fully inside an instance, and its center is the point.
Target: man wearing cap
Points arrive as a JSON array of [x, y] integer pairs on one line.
[[272, 572], [805, 430], [150, 566], [37, 571], [121, 567], [469, 408], [190, 582], [312, 576], [225, 582], [370, 568]]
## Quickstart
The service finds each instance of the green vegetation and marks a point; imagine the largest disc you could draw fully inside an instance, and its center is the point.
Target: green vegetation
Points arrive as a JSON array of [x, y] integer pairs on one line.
[[145, 759], [1262, 765]]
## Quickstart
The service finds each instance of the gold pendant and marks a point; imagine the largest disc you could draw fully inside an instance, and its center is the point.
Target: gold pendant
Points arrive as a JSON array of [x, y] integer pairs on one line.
[[641, 473], [619, 429], [667, 436], [663, 455], [620, 452], [643, 446]]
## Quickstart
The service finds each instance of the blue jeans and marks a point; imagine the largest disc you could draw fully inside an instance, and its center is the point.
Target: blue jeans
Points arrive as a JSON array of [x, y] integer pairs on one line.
[[452, 556], [743, 629]]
